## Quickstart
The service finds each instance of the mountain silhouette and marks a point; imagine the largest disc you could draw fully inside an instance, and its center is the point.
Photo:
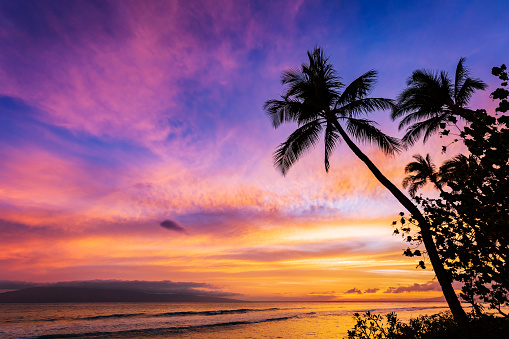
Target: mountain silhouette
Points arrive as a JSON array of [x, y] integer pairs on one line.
[[79, 294]]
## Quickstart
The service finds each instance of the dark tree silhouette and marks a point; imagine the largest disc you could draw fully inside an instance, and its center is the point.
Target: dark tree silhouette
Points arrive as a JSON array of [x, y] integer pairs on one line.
[[314, 100], [425, 170], [469, 220], [317, 100], [432, 99]]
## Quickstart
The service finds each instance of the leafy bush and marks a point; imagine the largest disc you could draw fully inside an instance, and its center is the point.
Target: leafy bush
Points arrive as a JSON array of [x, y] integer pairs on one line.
[[441, 325]]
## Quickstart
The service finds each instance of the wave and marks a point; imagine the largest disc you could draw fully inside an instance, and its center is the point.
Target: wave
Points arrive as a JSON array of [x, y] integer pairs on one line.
[[121, 315], [166, 314], [159, 330], [214, 312], [388, 310]]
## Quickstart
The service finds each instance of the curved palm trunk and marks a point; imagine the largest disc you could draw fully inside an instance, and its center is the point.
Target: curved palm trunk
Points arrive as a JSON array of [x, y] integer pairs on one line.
[[442, 276]]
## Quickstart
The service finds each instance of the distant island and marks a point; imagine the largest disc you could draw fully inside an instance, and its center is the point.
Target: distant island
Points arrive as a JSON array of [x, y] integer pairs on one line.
[[79, 294]]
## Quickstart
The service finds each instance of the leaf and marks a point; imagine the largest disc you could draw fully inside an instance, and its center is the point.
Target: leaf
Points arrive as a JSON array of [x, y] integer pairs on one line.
[[500, 93]]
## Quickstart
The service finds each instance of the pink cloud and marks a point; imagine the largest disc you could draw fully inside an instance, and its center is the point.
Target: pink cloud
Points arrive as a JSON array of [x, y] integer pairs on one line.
[[127, 78], [429, 286]]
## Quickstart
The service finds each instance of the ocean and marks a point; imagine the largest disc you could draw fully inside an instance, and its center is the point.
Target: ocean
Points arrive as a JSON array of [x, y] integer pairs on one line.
[[195, 320]]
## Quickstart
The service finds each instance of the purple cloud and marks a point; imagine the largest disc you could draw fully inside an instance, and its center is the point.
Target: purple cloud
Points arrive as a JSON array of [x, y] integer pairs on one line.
[[323, 293], [372, 290], [353, 290], [429, 286], [173, 226]]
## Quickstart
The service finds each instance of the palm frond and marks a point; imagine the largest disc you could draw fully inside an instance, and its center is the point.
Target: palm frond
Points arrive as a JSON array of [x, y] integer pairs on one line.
[[455, 167], [446, 89], [467, 90], [365, 131], [460, 77], [332, 137], [426, 127], [417, 116], [363, 106], [424, 167], [424, 170], [291, 76], [424, 92], [414, 183], [297, 143], [281, 111], [289, 110], [359, 88]]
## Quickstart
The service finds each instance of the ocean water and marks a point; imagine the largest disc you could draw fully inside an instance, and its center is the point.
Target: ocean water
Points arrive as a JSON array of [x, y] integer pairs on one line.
[[195, 320]]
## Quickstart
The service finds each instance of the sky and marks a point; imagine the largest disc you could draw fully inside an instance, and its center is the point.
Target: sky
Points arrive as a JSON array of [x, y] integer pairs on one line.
[[135, 150]]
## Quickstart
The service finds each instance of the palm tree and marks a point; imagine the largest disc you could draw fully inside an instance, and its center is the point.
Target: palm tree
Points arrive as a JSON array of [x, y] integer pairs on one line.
[[317, 100], [432, 99], [425, 170]]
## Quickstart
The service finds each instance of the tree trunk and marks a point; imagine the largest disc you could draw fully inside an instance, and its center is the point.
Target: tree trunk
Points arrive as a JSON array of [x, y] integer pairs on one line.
[[442, 276]]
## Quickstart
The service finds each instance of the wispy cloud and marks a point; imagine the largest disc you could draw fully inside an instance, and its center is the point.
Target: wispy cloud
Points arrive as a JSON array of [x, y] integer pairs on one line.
[[323, 293]]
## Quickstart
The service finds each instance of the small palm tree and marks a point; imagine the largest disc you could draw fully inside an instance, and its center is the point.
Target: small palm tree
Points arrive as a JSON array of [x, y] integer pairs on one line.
[[425, 170], [432, 99], [318, 101]]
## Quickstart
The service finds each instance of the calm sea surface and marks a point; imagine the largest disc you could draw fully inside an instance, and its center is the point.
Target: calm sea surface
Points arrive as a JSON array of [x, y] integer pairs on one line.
[[195, 320]]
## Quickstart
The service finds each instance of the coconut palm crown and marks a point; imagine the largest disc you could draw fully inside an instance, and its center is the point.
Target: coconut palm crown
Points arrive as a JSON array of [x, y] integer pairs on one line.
[[317, 101], [432, 99], [420, 172]]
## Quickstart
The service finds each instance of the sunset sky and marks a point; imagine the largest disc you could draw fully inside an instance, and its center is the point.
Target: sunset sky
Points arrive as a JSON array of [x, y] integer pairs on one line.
[[134, 145]]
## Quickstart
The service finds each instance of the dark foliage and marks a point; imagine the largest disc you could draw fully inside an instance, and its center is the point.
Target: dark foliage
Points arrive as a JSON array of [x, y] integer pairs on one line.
[[442, 325], [470, 220]]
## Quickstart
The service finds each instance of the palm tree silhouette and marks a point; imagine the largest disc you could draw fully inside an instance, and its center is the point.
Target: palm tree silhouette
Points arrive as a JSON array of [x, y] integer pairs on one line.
[[432, 99], [425, 170], [316, 99]]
